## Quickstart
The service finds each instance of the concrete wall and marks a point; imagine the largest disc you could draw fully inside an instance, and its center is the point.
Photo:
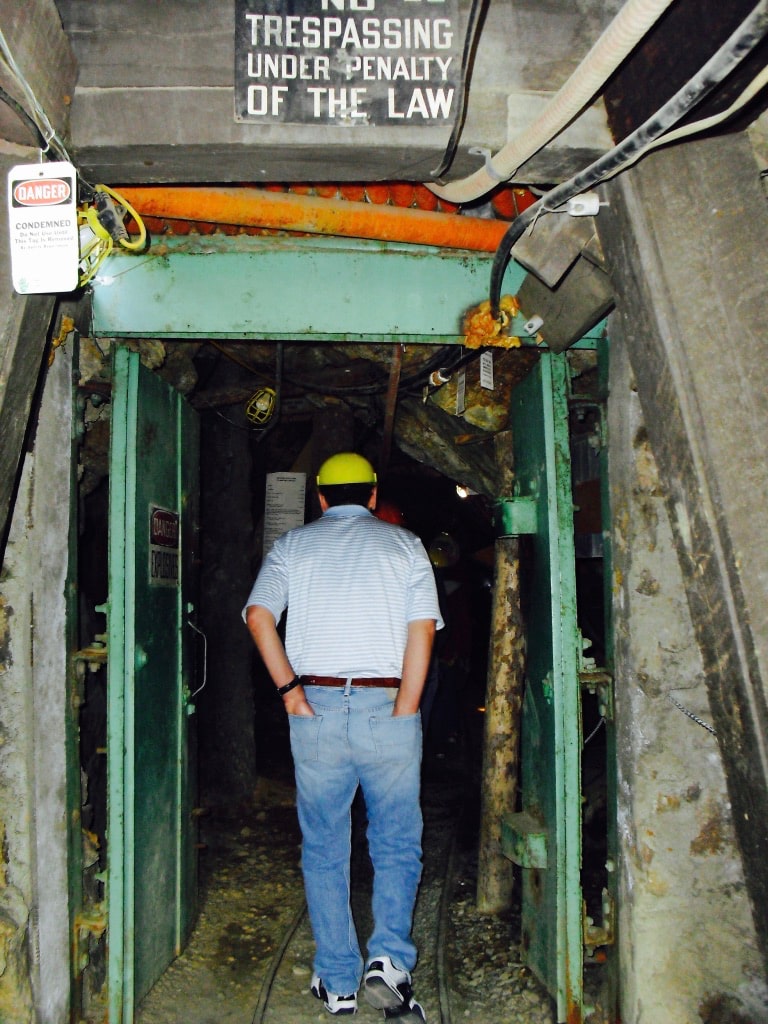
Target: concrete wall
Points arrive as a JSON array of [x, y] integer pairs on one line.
[[41, 51], [23, 334], [34, 704], [686, 243], [155, 99], [34, 521], [43, 56], [687, 942]]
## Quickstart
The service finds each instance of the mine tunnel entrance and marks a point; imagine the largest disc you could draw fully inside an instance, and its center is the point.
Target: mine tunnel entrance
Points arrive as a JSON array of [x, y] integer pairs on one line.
[[231, 761], [239, 731]]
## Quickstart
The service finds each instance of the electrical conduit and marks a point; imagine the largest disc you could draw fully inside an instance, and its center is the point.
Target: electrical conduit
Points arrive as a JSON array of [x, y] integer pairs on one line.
[[254, 207]]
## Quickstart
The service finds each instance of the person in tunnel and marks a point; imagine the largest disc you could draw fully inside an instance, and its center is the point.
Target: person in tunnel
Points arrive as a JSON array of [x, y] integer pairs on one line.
[[362, 611]]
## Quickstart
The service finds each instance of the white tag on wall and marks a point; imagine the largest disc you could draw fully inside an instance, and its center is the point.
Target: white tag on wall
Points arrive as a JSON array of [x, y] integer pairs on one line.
[[42, 220], [486, 370]]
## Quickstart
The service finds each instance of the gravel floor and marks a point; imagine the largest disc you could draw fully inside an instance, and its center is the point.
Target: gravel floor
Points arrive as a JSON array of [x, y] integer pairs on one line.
[[251, 893]]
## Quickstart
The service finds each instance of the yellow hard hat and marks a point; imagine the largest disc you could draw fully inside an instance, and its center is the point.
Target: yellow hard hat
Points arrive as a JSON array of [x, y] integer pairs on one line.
[[346, 468]]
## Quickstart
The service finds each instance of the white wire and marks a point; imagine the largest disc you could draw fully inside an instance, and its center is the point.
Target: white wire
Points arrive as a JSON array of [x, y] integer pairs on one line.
[[599, 725], [38, 115], [205, 660]]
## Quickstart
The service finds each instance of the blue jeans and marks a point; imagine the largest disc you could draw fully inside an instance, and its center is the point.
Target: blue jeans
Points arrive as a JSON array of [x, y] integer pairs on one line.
[[354, 740]]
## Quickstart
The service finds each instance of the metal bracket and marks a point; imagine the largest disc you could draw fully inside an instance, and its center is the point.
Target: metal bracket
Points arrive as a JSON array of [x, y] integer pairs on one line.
[[86, 924], [600, 682], [597, 680], [603, 934], [515, 516], [524, 840], [89, 658]]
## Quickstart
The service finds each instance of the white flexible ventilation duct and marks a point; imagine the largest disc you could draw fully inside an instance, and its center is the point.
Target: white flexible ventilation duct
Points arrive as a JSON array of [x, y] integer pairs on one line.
[[741, 42], [624, 33]]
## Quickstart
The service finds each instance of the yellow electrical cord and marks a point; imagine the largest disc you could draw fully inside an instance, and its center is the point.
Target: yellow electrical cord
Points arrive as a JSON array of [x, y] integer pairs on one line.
[[139, 242], [94, 250]]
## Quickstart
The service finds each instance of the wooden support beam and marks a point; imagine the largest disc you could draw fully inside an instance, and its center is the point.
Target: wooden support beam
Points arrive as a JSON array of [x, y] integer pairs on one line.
[[503, 705]]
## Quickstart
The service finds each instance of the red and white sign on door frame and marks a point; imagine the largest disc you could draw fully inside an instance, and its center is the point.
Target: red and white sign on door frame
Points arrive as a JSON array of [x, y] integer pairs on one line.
[[42, 220]]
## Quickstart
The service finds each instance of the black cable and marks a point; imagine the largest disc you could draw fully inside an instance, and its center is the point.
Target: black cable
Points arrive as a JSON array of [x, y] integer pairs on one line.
[[476, 13], [440, 359], [29, 122], [449, 357], [43, 143], [465, 359], [339, 391], [273, 420], [738, 45]]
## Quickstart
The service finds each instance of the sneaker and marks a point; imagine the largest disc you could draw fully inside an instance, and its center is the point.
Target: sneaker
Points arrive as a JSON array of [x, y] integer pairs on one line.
[[408, 1012], [389, 989], [384, 984], [334, 1004]]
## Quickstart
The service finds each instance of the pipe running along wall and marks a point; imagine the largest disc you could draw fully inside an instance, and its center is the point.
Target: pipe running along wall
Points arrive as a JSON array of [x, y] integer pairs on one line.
[[254, 207]]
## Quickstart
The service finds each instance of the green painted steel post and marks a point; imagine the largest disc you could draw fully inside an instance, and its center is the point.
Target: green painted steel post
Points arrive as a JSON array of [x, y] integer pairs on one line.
[[116, 689], [551, 755]]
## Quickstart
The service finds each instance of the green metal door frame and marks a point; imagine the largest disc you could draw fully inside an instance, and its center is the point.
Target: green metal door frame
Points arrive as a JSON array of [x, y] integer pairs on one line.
[[294, 289], [121, 543], [544, 838], [330, 290]]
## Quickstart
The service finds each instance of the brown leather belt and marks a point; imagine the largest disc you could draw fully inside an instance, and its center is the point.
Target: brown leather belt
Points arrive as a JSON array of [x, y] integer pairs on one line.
[[384, 681]]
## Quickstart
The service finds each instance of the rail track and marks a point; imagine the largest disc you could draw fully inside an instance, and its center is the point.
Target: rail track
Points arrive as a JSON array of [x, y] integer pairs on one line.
[[248, 960], [444, 813]]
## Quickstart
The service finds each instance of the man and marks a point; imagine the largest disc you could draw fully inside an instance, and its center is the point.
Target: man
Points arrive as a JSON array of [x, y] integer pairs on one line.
[[362, 613]]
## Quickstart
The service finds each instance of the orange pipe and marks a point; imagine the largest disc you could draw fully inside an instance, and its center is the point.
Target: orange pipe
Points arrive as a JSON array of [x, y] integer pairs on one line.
[[255, 207]]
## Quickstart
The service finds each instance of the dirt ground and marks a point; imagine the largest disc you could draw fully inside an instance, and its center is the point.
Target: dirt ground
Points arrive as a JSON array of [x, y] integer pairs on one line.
[[252, 905]]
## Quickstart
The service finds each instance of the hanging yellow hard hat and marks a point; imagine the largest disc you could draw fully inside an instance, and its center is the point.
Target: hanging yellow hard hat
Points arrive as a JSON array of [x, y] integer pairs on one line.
[[346, 468]]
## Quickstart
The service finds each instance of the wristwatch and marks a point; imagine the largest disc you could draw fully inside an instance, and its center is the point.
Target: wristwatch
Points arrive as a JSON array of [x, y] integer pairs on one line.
[[282, 690]]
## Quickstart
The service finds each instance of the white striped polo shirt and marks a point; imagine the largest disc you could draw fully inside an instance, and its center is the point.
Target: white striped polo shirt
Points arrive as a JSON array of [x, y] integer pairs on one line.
[[351, 584]]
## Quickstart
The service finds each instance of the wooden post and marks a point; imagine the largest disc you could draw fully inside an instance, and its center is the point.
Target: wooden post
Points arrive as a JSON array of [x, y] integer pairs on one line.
[[504, 695]]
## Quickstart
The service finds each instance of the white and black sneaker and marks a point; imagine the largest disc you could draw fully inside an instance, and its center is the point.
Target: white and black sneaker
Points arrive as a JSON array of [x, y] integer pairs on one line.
[[334, 1004], [388, 988], [408, 1012]]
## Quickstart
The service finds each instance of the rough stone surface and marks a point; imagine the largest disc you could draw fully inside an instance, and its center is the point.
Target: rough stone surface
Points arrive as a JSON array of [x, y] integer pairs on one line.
[[684, 921], [15, 866], [685, 239], [34, 885]]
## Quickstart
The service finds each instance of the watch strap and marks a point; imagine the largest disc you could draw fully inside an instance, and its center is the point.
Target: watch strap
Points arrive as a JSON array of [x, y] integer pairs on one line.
[[282, 690]]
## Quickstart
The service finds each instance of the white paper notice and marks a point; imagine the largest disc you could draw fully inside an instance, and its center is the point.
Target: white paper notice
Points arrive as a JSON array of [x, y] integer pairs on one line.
[[486, 370], [42, 215], [283, 505]]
